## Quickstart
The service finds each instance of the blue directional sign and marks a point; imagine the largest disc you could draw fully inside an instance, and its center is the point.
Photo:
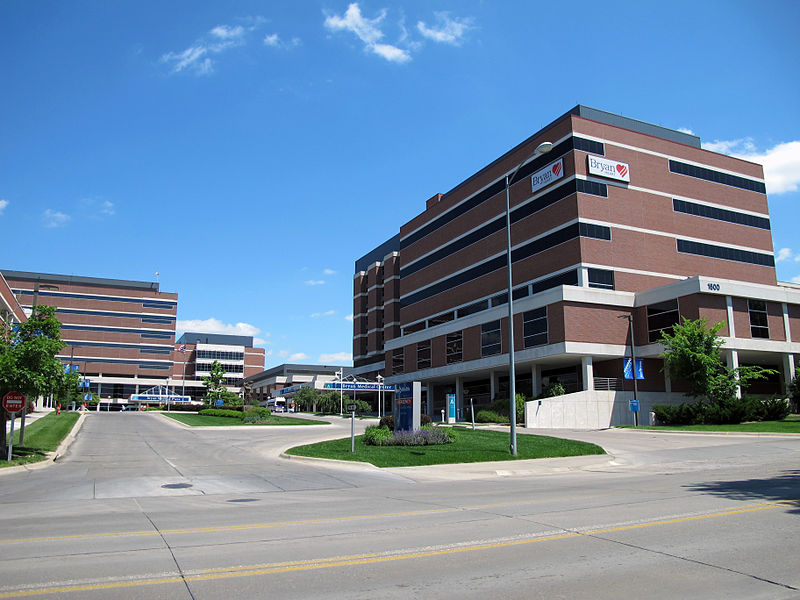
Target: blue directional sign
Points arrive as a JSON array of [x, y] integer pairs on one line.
[[451, 406], [639, 369], [634, 405]]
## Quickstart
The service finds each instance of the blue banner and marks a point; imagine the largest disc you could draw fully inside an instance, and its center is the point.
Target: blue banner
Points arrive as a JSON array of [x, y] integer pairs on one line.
[[639, 369]]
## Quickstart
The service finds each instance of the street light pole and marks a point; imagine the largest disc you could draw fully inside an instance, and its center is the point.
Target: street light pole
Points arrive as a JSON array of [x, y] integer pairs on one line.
[[340, 373], [633, 368], [512, 388], [379, 378]]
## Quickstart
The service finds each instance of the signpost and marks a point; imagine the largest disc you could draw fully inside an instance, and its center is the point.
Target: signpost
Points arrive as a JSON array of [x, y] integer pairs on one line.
[[351, 408], [13, 402], [451, 408]]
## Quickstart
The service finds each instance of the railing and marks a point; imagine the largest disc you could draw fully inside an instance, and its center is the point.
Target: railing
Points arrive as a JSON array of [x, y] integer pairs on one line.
[[608, 383]]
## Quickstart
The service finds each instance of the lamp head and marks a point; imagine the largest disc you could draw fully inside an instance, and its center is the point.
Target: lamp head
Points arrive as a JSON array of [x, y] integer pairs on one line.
[[544, 147]]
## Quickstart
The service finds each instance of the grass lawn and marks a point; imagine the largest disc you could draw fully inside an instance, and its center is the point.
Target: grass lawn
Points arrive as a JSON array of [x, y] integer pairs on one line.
[[790, 424], [41, 436], [470, 446], [208, 421]]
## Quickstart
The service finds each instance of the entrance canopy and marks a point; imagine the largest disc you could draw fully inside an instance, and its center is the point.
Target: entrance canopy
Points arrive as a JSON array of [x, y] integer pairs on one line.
[[161, 395]]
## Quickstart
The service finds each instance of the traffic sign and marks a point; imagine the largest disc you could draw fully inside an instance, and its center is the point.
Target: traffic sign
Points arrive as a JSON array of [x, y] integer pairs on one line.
[[14, 401], [351, 408], [633, 405]]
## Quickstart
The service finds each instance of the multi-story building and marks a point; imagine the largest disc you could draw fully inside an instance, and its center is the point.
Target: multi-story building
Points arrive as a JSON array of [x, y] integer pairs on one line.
[[621, 219], [119, 333], [271, 382], [195, 352], [11, 312]]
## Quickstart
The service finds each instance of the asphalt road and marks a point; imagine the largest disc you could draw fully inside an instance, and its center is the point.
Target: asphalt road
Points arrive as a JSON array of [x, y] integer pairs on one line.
[[141, 508]]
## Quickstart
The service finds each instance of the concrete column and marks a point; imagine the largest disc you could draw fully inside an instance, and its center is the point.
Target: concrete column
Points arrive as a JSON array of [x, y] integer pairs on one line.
[[787, 330], [583, 277], [788, 369], [459, 400], [729, 304], [667, 381], [587, 371], [536, 380], [732, 358], [428, 402], [492, 385]]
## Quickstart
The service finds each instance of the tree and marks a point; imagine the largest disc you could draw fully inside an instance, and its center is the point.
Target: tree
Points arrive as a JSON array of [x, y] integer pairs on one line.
[[694, 353], [215, 386], [28, 362], [794, 391]]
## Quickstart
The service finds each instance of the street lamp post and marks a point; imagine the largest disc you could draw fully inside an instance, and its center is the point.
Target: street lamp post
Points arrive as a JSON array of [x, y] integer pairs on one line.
[[540, 149], [340, 373], [633, 368], [379, 379]]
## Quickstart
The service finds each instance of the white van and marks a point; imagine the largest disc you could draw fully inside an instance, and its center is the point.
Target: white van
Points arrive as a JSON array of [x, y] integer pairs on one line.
[[277, 405]]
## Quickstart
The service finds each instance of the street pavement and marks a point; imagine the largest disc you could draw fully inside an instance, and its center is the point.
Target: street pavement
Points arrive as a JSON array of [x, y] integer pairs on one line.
[[140, 507]]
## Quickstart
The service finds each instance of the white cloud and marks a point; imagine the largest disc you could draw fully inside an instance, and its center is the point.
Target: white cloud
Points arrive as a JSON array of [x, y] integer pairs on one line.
[[796, 279], [213, 325], [448, 30], [324, 314], [368, 31], [332, 272], [275, 41], [298, 356], [107, 209], [686, 130], [54, 218], [283, 353], [783, 254], [350, 317], [3, 204], [781, 162], [197, 58], [315, 282], [336, 357]]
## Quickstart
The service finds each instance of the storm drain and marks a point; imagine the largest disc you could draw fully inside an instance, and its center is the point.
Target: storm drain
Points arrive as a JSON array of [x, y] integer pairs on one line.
[[176, 486], [243, 500]]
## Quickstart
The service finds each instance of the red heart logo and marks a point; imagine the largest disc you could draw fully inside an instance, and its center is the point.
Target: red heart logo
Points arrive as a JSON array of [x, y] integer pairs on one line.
[[622, 170], [557, 169]]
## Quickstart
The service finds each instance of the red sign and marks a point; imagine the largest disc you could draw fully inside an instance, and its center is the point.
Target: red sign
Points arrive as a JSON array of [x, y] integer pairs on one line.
[[13, 401]]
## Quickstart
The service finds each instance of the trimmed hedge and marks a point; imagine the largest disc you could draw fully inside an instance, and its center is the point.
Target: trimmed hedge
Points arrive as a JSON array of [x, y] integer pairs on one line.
[[728, 412], [221, 412]]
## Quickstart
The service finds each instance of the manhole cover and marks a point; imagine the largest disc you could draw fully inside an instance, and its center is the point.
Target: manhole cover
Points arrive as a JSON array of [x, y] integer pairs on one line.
[[176, 486], [244, 500]]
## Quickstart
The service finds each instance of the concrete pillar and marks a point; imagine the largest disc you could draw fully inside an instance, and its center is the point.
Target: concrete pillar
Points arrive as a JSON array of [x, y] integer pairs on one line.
[[788, 370], [492, 385], [729, 304], [787, 330], [667, 381], [587, 371], [583, 277], [732, 358], [536, 380], [428, 401], [459, 400]]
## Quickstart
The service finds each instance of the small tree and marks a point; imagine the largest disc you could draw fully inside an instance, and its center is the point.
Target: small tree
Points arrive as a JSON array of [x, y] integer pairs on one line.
[[215, 386], [694, 353], [794, 391]]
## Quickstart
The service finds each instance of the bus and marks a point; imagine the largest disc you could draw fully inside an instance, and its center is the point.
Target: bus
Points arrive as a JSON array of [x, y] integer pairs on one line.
[[279, 405]]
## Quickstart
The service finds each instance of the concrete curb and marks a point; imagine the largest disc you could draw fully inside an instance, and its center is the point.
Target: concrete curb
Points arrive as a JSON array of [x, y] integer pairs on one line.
[[714, 433], [51, 456], [329, 461]]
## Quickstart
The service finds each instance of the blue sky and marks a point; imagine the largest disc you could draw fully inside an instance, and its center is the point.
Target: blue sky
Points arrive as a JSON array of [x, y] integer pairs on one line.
[[250, 152]]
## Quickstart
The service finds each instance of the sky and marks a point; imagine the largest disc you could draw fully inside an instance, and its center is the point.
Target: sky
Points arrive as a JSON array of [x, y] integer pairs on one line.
[[245, 154]]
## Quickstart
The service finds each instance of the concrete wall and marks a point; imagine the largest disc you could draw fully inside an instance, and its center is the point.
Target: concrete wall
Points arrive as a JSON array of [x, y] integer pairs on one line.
[[593, 409]]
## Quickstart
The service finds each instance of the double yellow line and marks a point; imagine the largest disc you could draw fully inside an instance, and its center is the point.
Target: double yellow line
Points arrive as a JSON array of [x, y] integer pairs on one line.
[[351, 560]]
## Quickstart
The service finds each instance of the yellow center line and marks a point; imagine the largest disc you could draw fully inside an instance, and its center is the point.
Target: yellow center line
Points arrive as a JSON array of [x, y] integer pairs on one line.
[[363, 559], [221, 528]]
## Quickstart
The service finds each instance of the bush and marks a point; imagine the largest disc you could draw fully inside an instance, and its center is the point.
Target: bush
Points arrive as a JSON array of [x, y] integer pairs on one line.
[[687, 413], [376, 436], [256, 414], [387, 421], [775, 409], [553, 389], [490, 416], [221, 412], [427, 436]]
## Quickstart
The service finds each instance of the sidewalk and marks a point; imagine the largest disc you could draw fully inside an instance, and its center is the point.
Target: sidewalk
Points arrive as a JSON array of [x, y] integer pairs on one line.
[[29, 418]]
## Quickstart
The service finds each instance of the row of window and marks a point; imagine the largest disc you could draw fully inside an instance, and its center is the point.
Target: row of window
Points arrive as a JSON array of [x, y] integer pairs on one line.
[[123, 361], [162, 304], [724, 253], [534, 325], [145, 333], [498, 224], [142, 349], [662, 317], [572, 143], [206, 367], [717, 177], [219, 355], [719, 214], [99, 313], [532, 248]]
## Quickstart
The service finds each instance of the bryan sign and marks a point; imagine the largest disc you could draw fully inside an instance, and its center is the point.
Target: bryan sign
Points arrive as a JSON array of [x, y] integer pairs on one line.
[[547, 175], [609, 168]]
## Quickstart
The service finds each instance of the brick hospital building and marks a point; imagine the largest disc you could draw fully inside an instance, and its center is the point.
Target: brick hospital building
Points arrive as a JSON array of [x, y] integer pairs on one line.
[[620, 219]]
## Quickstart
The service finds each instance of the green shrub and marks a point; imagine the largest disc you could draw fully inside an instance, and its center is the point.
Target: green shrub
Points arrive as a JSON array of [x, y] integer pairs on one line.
[[376, 436], [775, 409], [387, 421], [553, 389], [490, 416], [221, 412]]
